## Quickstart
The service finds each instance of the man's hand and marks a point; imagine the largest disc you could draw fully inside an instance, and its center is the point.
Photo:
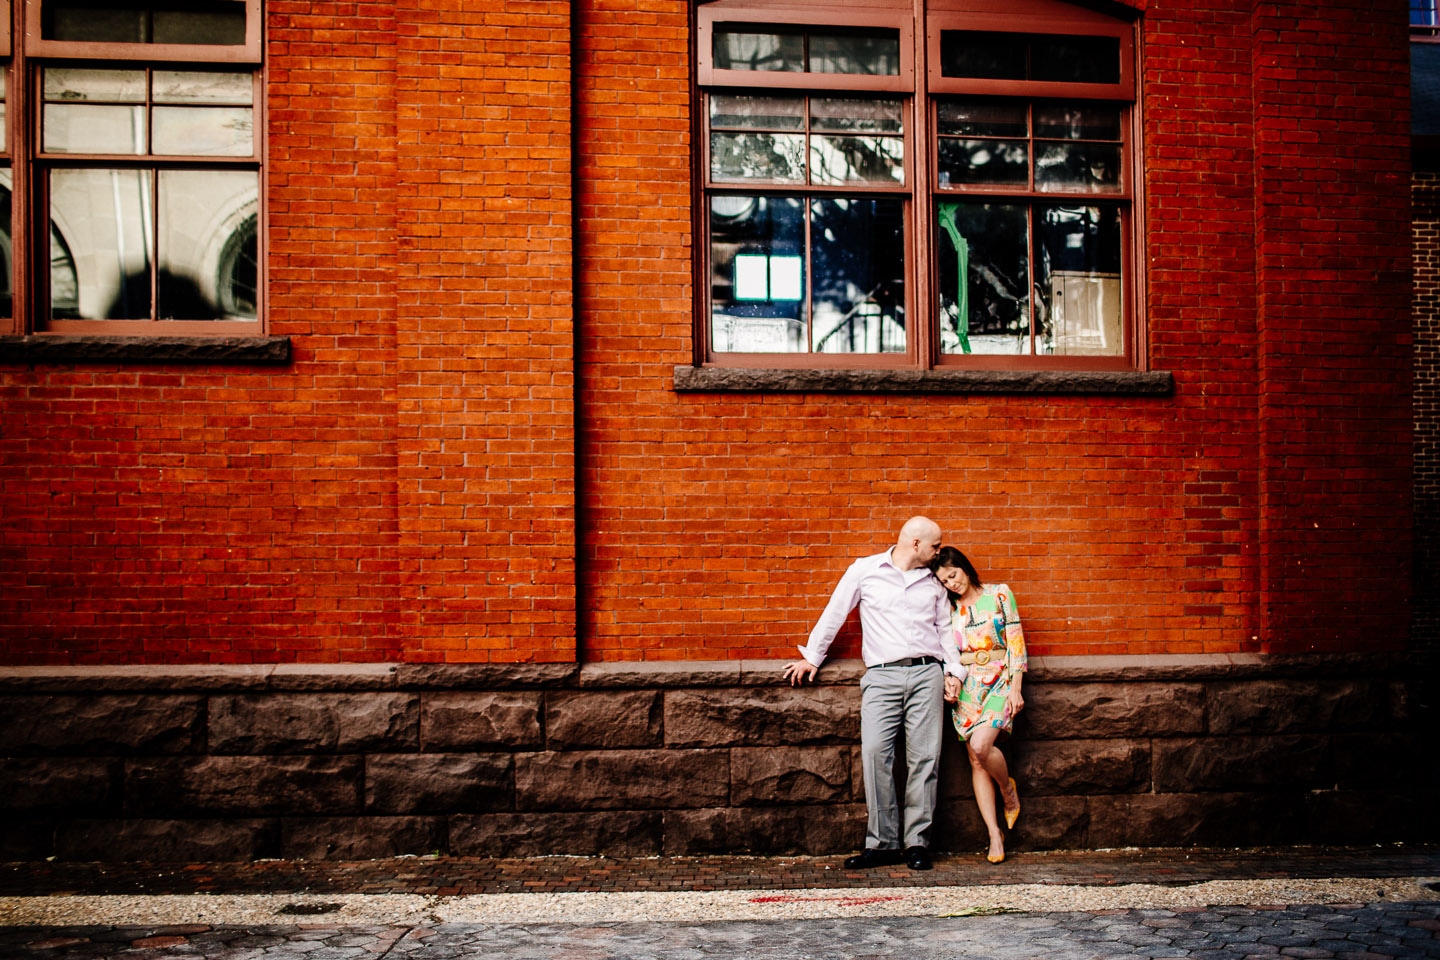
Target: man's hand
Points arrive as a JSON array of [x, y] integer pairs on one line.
[[952, 688], [800, 671]]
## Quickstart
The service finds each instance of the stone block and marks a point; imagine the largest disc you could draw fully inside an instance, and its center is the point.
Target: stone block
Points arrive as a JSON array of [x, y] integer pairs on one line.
[[100, 725], [602, 720], [360, 838], [174, 841], [482, 720], [1189, 819], [1367, 817], [622, 780], [1088, 711], [314, 723], [1046, 823], [767, 831], [438, 783], [618, 833], [25, 838], [790, 775], [243, 786], [60, 786], [1077, 767], [759, 717], [1210, 764], [1297, 706], [484, 676]]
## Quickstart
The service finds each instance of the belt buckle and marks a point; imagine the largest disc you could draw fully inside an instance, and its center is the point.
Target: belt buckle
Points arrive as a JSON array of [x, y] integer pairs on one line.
[[982, 657]]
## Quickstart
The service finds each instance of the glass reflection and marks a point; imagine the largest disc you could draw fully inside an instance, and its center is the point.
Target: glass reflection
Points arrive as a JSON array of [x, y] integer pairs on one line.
[[1077, 166], [1078, 279], [739, 50], [7, 251], [199, 211], [92, 128], [836, 160], [105, 218], [963, 118], [757, 113], [836, 115], [983, 56], [983, 161], [857, 254], [757, 283], [867, 54], [984, 274], [203, 131], [81, 83], [757, 156], [203, 86]]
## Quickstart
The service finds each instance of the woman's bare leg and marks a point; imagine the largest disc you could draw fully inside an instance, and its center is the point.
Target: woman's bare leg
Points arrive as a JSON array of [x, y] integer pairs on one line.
[[988, 771]]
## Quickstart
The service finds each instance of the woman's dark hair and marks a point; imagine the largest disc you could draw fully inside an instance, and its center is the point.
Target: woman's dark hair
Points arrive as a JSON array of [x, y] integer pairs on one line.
[[952, 557]]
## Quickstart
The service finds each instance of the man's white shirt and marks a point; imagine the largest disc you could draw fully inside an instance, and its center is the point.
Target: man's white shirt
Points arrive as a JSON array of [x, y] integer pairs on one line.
[[903, 614]]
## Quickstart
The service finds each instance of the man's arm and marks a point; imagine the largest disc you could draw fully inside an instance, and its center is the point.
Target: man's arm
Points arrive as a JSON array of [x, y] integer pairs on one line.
[[844, 599]]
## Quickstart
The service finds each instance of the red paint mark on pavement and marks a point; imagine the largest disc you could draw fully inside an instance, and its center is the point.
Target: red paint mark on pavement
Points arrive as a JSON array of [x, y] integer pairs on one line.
[[846, 901]]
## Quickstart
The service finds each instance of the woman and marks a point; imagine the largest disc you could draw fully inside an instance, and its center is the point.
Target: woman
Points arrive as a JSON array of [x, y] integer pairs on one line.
[[992, 647]]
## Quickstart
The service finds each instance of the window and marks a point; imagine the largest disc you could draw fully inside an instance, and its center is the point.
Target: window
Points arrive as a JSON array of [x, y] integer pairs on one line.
[[884, 192], [137, 207]]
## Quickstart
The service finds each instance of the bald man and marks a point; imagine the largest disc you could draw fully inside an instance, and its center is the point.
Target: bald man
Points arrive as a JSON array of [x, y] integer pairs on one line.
[[911, 667]]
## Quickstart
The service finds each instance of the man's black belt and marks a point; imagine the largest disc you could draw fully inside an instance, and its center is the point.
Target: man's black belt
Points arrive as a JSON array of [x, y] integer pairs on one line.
[[908, 662]]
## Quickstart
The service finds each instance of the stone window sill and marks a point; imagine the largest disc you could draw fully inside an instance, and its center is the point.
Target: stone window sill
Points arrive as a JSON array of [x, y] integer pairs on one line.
[[259, 351], [690, 379]]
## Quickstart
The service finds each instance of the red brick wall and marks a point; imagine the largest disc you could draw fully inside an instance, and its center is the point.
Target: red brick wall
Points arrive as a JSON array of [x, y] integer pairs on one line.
[[1333, 214], [410, 489], [404, 490]]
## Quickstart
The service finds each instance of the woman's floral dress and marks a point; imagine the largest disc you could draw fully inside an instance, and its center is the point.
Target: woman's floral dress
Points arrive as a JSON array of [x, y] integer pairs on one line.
[[992, 647]]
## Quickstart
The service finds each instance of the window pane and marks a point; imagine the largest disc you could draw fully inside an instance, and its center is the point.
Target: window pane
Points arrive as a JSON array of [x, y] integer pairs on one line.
[[985, 56], [983, 161], [102, 220], [1077, 121], [757, 156], [757, 113], [109, 86], [1094, 167], [875, 54], [835, 115], [837, 160], [960, 118], [208, 22], [7, 250], [93, 23], [1079, 280], [91, 128], [1076, 59], [984, 275], [204, 131], [858, 261], [735, 50], [757, 285], [202, 86], [201, 214], [219, 27]]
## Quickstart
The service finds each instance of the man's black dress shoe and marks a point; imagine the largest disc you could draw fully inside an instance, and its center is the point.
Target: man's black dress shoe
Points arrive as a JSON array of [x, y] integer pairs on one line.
[[918, 858], [874, 858]]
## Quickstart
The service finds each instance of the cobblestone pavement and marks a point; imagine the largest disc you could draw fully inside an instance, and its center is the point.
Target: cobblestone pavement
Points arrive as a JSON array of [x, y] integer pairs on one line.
[[1402, 919], [1348, 932]]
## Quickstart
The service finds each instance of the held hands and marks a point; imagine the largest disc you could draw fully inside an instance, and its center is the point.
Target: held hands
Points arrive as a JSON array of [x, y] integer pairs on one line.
[[798, 672], [952, 688]]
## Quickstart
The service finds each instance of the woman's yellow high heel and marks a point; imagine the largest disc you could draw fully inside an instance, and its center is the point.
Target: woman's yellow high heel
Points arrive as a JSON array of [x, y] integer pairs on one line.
[[1011, 817]]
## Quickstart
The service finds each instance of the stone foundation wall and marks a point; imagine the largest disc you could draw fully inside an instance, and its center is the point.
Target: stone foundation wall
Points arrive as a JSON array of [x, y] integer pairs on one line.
[[368, 761]]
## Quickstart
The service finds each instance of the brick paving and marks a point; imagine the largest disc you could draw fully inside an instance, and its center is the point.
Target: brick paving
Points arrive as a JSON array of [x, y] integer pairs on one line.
[[460, 876], [1351, 931]]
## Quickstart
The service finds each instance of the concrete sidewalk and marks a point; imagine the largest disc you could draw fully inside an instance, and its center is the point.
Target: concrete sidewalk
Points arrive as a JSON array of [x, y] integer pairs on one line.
[[1316, 902]]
